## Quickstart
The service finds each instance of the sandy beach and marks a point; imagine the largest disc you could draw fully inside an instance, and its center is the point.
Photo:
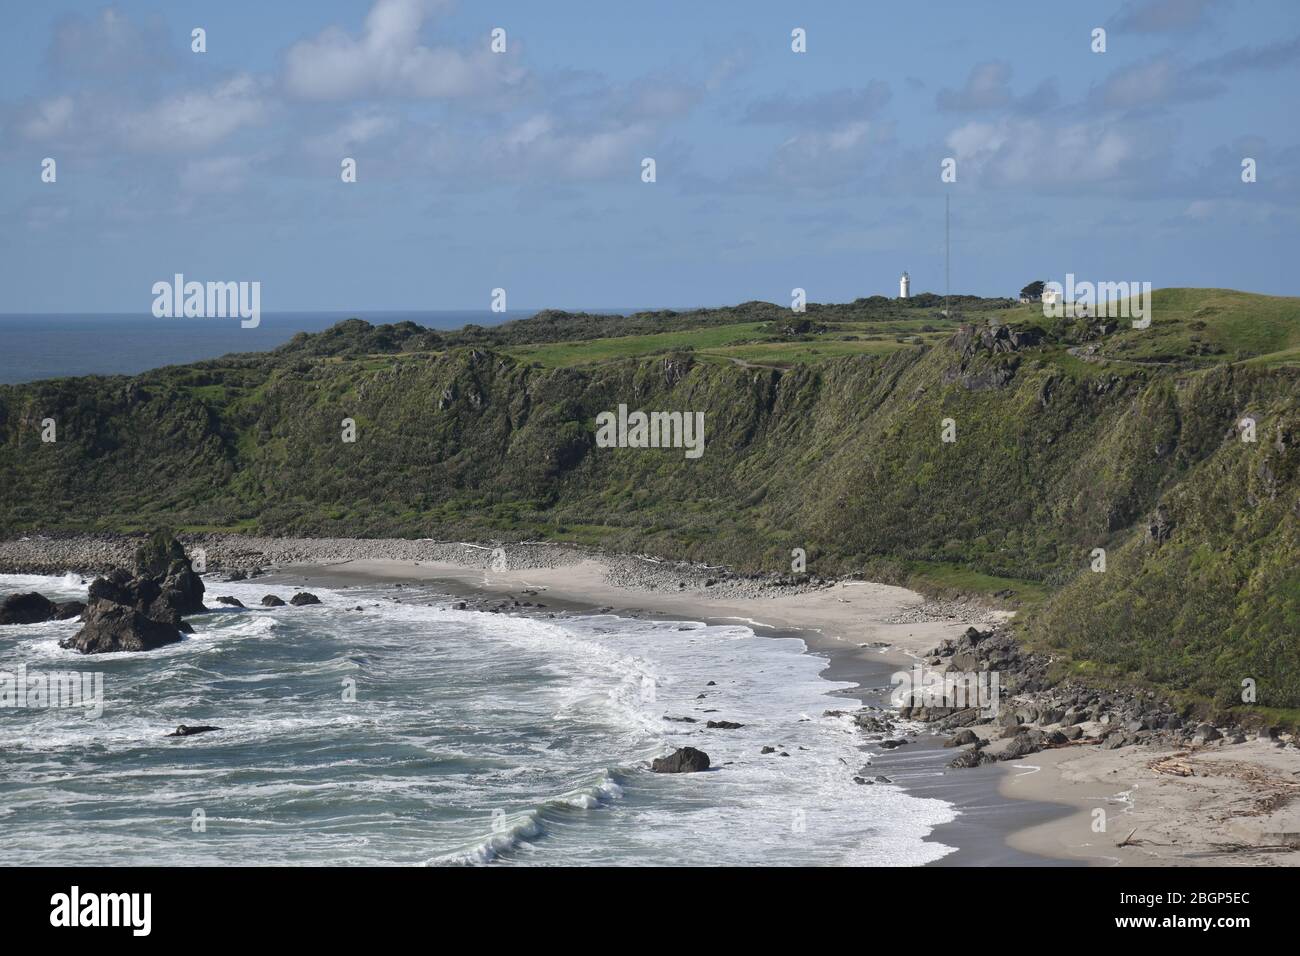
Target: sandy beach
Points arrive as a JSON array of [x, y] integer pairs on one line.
[[1083, 804], [1234, 808]]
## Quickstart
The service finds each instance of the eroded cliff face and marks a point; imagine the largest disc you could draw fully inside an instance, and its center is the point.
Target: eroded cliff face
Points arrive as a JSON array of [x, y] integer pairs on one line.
[[1049, 460]]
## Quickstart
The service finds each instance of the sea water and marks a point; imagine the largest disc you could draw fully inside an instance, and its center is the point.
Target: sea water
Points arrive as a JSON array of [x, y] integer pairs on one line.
[[385, 727]]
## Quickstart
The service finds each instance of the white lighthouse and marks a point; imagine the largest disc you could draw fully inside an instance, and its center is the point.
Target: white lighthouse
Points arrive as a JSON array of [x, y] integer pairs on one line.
[[904, 285]]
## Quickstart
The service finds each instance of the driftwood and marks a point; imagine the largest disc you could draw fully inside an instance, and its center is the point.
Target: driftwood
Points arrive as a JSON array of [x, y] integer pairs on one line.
[[1174, 766]]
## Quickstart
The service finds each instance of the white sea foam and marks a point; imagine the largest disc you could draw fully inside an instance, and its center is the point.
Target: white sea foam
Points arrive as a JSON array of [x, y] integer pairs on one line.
[[457, 714]]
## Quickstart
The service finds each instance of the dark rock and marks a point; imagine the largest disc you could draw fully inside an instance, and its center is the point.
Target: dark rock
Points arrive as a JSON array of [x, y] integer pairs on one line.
[[1022, 746], [1160, 527], [110, 628], [962, 738], [303, 598], [891, 744], [127, 612], [29, 607], [768, 750], [233, 602], [184, 731], [272, 601], [873, 724], [1205, 733], [163, 561], [723, 725], [969, 758], [683, 760], [68, 610]]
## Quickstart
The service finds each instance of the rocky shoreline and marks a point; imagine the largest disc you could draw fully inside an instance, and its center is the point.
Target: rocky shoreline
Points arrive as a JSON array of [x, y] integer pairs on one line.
[[1035, 716], [89, 554]]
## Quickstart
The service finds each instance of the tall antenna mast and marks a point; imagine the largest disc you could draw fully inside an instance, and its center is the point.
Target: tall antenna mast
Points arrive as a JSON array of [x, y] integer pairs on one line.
[[946, 257]]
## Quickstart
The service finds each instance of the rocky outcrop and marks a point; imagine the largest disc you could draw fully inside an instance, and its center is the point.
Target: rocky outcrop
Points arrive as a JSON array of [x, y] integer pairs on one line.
[[110, 628], [682, 760], [272, 601], [1160, 526], [997, 339], [143, 610], [304, 598], [230, 601]]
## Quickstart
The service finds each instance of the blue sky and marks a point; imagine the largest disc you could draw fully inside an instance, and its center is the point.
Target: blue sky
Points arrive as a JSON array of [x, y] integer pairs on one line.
[[522, 170]]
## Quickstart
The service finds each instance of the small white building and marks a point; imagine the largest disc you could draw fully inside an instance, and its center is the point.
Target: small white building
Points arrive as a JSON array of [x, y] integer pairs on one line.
[[904, 286]]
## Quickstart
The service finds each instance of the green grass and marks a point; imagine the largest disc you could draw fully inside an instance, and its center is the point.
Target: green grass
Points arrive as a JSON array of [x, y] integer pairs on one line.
[[594, 351], [1210, 326], [794, 353], [947, 578]]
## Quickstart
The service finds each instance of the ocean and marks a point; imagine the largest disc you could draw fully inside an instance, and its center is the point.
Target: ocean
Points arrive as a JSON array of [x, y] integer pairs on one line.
[[385, 727], [36, 347]]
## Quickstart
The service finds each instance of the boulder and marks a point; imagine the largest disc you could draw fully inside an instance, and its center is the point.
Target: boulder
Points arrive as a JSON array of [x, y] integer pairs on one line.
[[110, 628], [962, 738], [682, 760], [1022, 746], [68, 610], [272, 601], [303, 598], [1206, 733], [972, 757], [723, 725], [29, 607], [230, 601]]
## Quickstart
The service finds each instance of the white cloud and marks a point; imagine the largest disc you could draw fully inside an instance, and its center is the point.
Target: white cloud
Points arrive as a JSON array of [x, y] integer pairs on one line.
[[1031, 152], [196, 119], [387, 59]]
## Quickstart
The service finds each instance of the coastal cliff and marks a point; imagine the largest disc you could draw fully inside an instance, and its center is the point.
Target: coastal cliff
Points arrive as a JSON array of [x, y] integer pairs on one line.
[[1061, 447]]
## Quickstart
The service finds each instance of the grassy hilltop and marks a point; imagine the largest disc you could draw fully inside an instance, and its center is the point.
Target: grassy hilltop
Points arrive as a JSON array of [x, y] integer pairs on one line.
[[823, 433]]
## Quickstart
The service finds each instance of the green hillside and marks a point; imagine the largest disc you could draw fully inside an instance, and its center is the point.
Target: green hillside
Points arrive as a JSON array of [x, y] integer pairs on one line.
[[823, 432]]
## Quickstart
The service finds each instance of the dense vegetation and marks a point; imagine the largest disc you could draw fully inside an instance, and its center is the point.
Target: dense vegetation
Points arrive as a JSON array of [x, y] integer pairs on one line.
[[823, 432]]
